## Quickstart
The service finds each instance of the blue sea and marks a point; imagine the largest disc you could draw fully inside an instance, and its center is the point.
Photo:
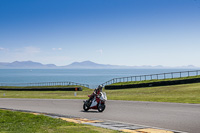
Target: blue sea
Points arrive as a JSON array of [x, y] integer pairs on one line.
[[93, 77]]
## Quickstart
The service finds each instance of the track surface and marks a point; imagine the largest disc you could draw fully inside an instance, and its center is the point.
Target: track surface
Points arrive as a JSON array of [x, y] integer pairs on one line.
[[173, 116]]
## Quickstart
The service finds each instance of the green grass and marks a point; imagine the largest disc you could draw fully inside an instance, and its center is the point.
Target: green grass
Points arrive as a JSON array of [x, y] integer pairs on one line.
[[45, 94], [184, 93], [18, 122], [154, 80]]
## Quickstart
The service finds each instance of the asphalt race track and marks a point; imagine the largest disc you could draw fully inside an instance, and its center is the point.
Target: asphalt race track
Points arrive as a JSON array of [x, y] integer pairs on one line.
[[173, 116]]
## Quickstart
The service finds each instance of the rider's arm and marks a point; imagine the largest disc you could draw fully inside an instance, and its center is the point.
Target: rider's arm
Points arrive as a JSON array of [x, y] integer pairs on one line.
[[95, 92]]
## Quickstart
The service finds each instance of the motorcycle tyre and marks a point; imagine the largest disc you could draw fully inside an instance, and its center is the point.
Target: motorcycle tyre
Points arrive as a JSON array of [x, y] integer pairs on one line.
[[101, 108], [85, 107]]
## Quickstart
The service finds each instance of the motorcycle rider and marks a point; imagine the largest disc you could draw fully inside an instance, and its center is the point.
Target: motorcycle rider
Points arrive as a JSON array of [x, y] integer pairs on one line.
[[95, 93]]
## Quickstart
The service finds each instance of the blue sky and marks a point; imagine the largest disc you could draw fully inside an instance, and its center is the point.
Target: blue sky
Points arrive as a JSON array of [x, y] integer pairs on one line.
[[117, 32]]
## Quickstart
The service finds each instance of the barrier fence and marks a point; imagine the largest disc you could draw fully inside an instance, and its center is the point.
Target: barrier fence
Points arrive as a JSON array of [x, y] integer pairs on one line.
[[44, 84], [170, 75]]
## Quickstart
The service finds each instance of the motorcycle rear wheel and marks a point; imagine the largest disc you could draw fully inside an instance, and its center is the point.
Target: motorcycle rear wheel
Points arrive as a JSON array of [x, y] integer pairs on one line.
[[85, 107]]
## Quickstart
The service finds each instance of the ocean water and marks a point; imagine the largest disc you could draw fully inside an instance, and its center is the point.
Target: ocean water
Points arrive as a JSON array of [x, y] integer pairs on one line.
[[93, 77]]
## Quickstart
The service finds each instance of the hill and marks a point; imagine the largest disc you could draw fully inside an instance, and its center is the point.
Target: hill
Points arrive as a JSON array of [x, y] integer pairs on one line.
[[25, 65], [90, 65]]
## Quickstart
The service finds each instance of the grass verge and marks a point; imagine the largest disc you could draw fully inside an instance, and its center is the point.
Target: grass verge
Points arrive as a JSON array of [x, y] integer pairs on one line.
[[184, 93], [19, 122], [46, 94]]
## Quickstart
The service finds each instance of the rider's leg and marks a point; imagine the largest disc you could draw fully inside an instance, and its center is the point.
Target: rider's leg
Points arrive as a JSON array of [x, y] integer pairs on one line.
[[90, 99]]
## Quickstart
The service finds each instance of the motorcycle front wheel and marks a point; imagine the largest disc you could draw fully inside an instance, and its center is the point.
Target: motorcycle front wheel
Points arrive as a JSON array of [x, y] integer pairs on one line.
[[101, 107]]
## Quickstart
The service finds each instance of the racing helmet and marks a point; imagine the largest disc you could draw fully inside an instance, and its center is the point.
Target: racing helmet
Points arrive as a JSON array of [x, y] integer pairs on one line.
[[100, 87]]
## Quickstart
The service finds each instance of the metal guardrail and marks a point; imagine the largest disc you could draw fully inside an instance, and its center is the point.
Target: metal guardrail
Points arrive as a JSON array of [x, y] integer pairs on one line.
[[170, 75], [43, 84]]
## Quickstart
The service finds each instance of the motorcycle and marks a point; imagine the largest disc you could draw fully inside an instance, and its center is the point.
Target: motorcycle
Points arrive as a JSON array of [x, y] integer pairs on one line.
[[98, 102]]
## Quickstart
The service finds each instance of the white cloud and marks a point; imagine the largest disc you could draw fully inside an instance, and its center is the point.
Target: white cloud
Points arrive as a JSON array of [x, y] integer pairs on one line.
[[57, 60], [55, 49], [31, 50], [2, 48], [20, 54], [25, 53], [34, 54], [100, 51]]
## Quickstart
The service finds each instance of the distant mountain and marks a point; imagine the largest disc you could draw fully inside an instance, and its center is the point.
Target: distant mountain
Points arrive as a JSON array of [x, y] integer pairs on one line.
[[25, 65], [89, 65], [78, 65], [92, 65]]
